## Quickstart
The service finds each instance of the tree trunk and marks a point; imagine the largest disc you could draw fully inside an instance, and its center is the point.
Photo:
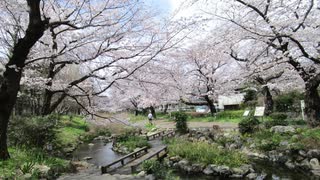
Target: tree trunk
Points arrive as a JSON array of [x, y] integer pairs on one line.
[[312, 101], [268, 101], [211, 105], [153, 112], [165, 110], [46, 106], [136, 112], [12, 75]]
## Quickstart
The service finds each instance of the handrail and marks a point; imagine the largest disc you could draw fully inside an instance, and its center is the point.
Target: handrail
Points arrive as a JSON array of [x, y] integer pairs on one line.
[[171, 133], [154, 135], [156, 153], [134, 154]]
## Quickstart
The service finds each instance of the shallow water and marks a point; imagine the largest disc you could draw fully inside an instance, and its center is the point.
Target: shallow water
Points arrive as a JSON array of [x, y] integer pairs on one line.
[[100, 153]]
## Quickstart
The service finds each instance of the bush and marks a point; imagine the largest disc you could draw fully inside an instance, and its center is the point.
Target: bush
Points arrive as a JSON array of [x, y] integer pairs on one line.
[[278, 116], [181, 122], [277, 119], [248, 124], [132, 142], [250, 95], [288, 102], [33, 131], [151, 166], [158, 170]]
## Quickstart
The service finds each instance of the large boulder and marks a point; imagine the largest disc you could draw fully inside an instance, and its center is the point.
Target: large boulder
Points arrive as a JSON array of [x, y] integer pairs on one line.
[[208, 170], [221, 170], [314, 164], [313, 153], [282, 129], [44, 171]]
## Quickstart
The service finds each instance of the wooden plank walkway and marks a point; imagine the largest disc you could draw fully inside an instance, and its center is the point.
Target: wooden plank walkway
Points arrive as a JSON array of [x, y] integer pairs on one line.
[[131, 167], [135, 154]]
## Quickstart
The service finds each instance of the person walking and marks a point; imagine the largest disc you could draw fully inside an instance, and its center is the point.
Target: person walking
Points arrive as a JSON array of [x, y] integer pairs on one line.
[[150, 117]]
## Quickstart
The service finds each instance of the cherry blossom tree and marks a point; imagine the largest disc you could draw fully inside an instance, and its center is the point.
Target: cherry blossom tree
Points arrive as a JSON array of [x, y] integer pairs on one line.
[[107, 40], [291, 28]]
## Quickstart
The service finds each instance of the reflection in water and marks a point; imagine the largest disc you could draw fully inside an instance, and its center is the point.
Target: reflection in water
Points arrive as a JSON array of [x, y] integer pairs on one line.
[[100, 153]]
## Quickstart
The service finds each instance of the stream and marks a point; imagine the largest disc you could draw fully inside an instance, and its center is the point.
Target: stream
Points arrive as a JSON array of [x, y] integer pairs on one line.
[[102, 154]]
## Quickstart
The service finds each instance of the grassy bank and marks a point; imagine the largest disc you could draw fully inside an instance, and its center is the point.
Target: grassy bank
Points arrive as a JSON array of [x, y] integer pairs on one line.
[[201, 152], [26, 162], [303, 138], [29, 137], [132, 142], [233, 116]]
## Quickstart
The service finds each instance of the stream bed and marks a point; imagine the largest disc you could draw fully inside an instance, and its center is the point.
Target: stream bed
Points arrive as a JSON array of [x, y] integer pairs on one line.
[[102, 154]]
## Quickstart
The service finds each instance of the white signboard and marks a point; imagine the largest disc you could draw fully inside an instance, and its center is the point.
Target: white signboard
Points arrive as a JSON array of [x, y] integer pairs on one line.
[[246, 113], [259, 111], [303, 106]]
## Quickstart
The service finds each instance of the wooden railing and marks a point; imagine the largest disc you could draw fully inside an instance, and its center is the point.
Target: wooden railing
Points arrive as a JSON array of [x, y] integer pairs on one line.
[[168, 134], [153, 136], [104, 169], [157, 153]]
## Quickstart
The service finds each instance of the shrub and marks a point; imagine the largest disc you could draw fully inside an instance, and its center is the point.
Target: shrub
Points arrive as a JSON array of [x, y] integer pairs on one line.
[[250, 95], [288, 102], [248, 124], [181, 122], [151, 166], [132, 142], [150, 127], [158, 170], [277, 119], [32, 131], [278, 116]]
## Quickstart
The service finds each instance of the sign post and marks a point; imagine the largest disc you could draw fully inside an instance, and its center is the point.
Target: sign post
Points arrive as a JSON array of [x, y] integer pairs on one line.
[[259, 112], [303, 106], [246, 113]]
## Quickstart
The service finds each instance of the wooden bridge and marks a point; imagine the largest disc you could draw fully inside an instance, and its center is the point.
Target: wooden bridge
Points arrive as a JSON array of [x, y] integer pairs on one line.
[[130, 162]]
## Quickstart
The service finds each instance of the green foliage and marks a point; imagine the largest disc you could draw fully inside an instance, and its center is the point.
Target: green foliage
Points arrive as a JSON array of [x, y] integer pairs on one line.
[[289, 102], [151, 166], [132, 142], [150, 127], [278, 116], [201, 152], [158, 170], [304, 138], [136, 118], [33, 131], [308, 138], [24, 160], [248, 124], [235, 114], [181, 122], [250, 95], [27, 167], [277, 119]]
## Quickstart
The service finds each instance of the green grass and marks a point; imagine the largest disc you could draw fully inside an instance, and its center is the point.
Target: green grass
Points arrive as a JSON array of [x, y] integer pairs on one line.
[[303, 138], [233, 116], [71, 128], [133, 118], [201, 152], [24, 160], [133, 142]]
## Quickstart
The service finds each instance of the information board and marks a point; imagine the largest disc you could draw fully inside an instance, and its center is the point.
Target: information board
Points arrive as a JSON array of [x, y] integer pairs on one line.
[[259, 111]]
